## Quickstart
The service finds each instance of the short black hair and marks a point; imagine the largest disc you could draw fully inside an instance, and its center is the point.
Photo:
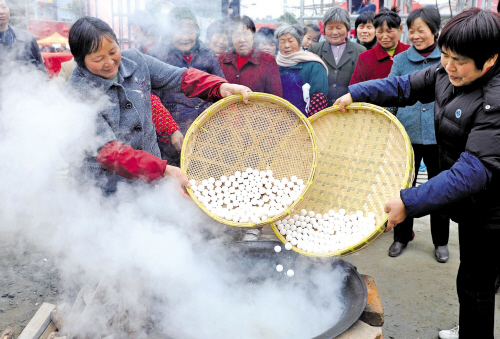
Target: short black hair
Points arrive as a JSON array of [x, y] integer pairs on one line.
[[363, 18], [265, 35], [390, 17], [85, 37], [216, 27], [313, 27], [245, 21], [474, 33], [430, 15]]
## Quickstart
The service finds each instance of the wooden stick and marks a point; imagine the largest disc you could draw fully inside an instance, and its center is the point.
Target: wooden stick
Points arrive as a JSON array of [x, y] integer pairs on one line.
[[38, 323]]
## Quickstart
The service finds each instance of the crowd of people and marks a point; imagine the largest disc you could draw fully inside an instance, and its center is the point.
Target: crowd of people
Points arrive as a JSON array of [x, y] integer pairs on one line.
[[443, 87]]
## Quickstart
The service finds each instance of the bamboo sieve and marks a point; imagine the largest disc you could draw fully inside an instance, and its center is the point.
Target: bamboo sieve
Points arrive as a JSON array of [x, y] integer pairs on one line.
[[268, 133], [364, 158]]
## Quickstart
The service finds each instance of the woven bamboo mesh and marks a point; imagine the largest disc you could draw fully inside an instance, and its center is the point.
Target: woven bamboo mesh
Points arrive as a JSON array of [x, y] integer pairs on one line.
[[364, 158], [268, 133]]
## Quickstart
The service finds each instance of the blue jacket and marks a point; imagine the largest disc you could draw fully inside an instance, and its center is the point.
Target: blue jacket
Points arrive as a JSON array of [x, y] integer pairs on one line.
[[418, 119], [128, 117], [467, 123], [185, 110]]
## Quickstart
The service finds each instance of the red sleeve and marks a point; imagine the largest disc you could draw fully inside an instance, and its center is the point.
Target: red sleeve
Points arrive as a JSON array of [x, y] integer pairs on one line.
[[196, 83], [318, 102], [162, 119], [129, 163]]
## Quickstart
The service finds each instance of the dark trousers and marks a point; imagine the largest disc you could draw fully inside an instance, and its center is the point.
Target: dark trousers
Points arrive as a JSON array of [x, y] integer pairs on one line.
[[440, 224], [479, 263]]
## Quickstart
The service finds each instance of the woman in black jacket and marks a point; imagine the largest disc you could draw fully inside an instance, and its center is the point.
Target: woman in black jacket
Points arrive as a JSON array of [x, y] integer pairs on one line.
[[466, 91]]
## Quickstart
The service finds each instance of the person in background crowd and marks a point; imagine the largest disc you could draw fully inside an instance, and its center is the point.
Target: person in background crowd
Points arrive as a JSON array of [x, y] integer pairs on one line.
[[466, 89], [311, 36], [245, 65], [181, 47], [339, 54], [304, 75], [129, 151], [368, 7], [144, 30], [265, 41], [377, 62], [18, 44], [217, 37], [365, 30], [418, 120]]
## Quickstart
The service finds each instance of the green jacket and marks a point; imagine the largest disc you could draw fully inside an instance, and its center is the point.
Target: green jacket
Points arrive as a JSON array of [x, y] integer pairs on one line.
[[339, 75]]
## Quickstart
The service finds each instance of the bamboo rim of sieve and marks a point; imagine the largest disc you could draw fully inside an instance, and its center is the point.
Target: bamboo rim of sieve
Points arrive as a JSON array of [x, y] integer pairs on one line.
[[381, 217], [303, 126]]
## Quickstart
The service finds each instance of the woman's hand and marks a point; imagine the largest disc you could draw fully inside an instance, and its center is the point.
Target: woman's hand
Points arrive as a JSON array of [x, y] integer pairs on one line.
[[227, 89], [397, 213], [177, 174], [176, 139], [343, 101]]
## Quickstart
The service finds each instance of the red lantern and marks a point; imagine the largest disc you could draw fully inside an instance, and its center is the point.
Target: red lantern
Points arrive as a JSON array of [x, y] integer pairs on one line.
[[66, 30]]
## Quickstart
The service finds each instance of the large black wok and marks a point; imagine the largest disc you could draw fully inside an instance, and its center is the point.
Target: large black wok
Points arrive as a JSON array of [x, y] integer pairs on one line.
[[255, 253]]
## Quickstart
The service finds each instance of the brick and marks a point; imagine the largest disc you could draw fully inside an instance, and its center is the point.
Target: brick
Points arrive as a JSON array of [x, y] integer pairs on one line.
[[374, 311], [361, 330]]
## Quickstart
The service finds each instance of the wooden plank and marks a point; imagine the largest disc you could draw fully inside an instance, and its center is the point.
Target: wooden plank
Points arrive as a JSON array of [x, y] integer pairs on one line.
[[374, 312], [361, 330], [38, 323], [51, 328], [8, 333]]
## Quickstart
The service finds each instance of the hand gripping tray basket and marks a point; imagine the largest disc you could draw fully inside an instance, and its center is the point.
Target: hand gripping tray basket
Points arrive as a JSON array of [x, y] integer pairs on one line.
[[268, 133], [364, 158]]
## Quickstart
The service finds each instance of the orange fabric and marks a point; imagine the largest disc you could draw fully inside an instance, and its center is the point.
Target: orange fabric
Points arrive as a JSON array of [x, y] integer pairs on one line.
[[162, 119], [130, 163]]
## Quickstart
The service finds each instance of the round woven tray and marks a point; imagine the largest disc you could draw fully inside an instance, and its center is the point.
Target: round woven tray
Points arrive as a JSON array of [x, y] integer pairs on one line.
[[364, 158], [268, 133]]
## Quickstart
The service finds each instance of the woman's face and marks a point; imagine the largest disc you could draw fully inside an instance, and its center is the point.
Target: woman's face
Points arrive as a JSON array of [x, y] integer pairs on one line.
[[311, 37], [185, 37], [335, 32], [4, 14], [365, 32], [388, 37], [268, 47], [242, 40], [462, 70], [219, 43], [420, 34], [288, 44], [106, 60]]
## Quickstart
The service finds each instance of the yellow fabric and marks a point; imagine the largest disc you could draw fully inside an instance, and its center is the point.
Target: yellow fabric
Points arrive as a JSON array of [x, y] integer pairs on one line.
[[391, 51]]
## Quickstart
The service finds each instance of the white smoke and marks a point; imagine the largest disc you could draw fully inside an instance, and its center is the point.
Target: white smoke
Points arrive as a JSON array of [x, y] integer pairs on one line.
[[154, 254]]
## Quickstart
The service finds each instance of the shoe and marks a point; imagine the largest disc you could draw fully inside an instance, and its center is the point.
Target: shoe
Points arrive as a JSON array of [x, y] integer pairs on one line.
[[441, 253], [449, 334], [252, 234], [396, 249]]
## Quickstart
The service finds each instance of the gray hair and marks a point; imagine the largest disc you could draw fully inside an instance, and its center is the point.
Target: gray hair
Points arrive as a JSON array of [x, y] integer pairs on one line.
[[337, 14], [296, 30]]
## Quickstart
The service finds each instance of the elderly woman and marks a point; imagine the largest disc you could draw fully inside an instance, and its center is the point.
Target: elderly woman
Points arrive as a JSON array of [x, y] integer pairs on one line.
[[418, 120], [304, 75], [466, 89], [377, 62], [365, 31], [127, 149], [245, 64], [339, 54], [217, 37], [181, 47]]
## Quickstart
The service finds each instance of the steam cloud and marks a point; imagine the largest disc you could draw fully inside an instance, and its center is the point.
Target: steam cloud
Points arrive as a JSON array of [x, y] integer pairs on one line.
[[157, 256]]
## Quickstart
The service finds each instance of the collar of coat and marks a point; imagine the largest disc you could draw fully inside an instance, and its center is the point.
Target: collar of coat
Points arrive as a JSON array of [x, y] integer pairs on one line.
[[126, 69], [381, 53], [327, 54], [21, 35], [414, 56], [230, 57]]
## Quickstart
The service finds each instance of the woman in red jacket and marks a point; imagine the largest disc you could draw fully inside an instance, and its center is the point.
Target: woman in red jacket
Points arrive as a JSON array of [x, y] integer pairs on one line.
[[376, 63], [245, 65]]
